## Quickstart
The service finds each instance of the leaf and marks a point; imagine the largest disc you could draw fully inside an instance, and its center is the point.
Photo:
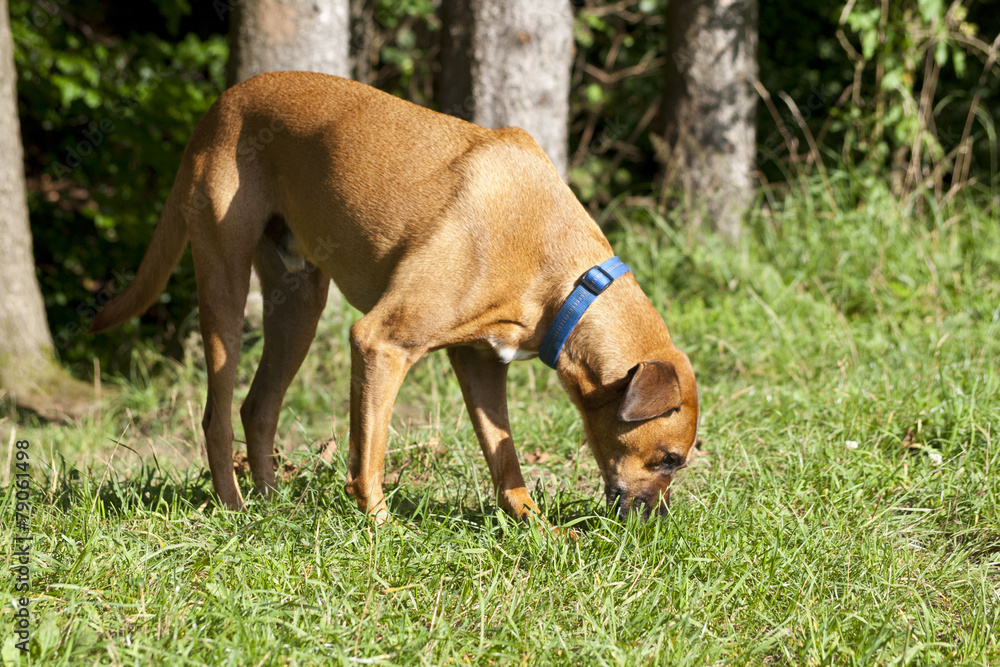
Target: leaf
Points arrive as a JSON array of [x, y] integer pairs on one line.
[[10, 654], [869, 40], [595, 22], [582, 34], [958, 60], [931, 11], [893, 79], [92, 99], [69, 89], [595, 93], [941, 53], [537, 457], [406, 38]]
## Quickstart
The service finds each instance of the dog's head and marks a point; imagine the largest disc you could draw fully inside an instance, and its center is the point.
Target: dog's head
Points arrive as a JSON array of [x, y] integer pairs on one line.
[[642, 431]]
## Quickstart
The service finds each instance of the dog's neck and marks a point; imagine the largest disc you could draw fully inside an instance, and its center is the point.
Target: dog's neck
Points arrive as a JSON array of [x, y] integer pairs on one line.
[[604, 347]]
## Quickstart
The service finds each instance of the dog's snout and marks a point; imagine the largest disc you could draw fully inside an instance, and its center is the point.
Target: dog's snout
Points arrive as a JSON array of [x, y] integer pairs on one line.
[[622, 502], [615, 494]]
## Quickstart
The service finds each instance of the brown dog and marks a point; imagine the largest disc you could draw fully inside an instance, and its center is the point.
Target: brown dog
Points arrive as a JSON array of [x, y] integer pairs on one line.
[[446, 235]]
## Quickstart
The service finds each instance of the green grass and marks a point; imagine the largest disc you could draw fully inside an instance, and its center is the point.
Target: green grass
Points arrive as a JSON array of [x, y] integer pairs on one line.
[[841, 511]]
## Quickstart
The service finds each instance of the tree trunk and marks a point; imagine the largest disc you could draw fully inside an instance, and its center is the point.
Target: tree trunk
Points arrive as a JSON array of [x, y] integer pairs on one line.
[[275, 35], [507, 63], [28, 371], [24, 328], [709, 109]]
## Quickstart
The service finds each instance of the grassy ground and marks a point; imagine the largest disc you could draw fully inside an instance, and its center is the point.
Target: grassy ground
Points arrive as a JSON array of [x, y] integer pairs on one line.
[[842, 509]]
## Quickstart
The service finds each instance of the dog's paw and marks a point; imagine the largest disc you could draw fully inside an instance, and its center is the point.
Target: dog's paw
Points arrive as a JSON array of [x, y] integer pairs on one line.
[[380, 517], [539, 523], [566, 533]]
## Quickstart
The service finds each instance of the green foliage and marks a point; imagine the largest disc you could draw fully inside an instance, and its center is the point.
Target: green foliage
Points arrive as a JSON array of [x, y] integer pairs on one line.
[[885, 97], [105, 120], [109, 93], [394, 49], [618, 80], [905, 97], [897, 67]]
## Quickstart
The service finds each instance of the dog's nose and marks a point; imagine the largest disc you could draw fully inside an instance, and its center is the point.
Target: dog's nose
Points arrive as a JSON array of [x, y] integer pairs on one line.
[[622, 502], [616, 495], [656, 505]]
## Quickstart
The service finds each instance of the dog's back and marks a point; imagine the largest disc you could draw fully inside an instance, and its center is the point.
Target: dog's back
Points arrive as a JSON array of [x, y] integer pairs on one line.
[[367, 177]]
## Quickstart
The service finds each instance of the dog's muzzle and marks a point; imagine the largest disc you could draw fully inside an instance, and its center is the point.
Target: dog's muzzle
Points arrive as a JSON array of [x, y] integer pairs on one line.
[[649, 505]]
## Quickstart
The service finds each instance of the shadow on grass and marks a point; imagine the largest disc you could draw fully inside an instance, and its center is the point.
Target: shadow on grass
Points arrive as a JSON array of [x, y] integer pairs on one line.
[[20, 416], [448, 500], [560, 512], [152, 489]]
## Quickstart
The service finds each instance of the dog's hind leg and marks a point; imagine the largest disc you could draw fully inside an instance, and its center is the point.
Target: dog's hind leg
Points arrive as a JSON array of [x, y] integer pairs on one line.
[[293, 303], [222, 247], [483, 379]]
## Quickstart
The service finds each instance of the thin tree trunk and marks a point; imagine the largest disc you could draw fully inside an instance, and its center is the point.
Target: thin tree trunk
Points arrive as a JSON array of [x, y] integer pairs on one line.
[[28, 370], [275, 35], [709, 112], [507, 63], [24, 328]]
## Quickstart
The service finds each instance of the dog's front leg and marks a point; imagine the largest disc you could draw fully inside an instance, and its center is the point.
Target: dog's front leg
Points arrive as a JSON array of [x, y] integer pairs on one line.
[[377, 369], [484, 385]]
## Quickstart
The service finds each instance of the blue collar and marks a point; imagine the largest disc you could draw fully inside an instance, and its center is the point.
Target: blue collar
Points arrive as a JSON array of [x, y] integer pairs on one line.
[[592, 283]]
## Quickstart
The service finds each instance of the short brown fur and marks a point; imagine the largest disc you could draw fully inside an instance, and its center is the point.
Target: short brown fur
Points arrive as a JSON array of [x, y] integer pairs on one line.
[[446, 235]]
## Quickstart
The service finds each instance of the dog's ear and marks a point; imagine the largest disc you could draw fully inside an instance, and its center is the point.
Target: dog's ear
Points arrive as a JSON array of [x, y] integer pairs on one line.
[[653, 390]]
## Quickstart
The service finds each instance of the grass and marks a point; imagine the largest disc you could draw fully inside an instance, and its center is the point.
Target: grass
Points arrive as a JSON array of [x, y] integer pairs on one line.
[[841, 511]]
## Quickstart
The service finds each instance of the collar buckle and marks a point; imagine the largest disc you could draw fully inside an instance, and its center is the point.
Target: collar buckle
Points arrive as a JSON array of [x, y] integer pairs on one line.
[[596, 280], [591, 284]]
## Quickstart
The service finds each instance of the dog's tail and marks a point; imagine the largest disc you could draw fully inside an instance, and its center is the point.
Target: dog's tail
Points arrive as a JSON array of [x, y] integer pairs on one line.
[[164, 252]]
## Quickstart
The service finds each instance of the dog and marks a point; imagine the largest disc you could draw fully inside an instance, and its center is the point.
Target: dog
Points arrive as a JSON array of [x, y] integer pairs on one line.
[[445, 235]]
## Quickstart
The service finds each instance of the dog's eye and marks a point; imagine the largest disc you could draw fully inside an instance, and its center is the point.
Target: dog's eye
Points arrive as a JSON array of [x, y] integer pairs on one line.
[[670, 463]]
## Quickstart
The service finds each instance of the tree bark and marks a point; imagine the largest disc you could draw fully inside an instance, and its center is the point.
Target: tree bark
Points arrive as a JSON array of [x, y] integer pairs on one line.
[[507, 63], [709, 109], [275, 35], [28, 370], [24, 328]]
